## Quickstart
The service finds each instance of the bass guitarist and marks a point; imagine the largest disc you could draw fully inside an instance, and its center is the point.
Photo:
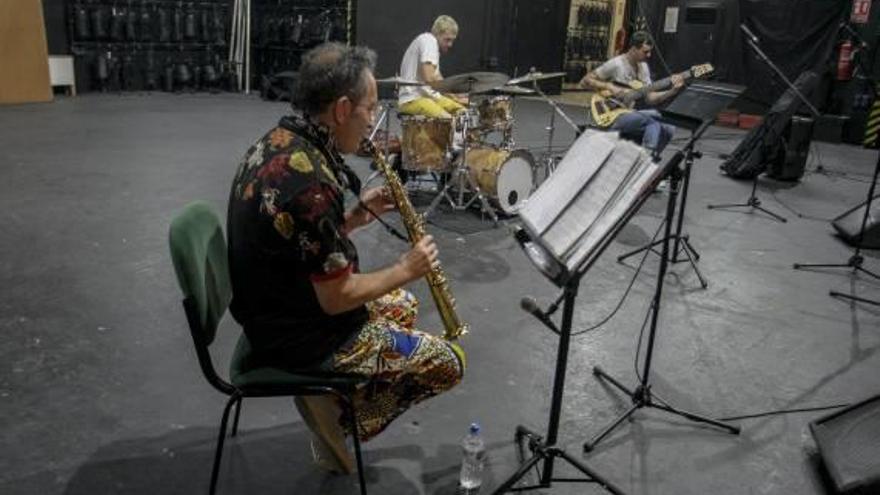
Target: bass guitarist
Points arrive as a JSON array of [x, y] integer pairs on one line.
[[617, 76]]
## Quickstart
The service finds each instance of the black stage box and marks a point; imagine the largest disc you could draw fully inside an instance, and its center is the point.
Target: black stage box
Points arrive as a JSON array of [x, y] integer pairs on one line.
[[849, 224], [849, 444]]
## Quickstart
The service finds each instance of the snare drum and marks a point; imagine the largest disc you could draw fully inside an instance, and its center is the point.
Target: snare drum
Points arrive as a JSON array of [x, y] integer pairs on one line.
[[425, 143], [495, 112], [505, 176]]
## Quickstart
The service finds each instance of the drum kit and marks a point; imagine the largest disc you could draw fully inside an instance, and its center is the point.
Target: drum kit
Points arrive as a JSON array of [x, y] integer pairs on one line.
[[460, 152]]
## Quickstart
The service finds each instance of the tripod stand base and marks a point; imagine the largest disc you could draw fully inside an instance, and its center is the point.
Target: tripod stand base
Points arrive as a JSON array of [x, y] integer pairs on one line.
[[841, 295], [855, 262], [548, 453], [642, 397], [753, 203], [684, 244]]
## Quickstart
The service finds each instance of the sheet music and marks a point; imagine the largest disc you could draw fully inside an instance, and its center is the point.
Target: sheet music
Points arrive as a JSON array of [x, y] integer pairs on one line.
[[571, 174], [595, 184]]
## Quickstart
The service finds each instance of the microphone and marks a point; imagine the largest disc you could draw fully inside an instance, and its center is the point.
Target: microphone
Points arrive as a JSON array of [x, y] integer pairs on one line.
[[529, 305], [749, 34]]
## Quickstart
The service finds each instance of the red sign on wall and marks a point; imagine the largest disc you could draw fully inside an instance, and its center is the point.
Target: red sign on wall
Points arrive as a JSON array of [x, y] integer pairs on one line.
[[861, 11]]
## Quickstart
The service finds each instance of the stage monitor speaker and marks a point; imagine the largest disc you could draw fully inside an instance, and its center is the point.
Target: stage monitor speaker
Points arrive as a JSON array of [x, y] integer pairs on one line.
[[791, 158], [849, 444], [849, 224]]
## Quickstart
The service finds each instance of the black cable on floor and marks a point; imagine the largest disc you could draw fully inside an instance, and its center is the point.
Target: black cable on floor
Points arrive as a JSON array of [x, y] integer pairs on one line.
[[785, 411], [765, 413], [629, 287]]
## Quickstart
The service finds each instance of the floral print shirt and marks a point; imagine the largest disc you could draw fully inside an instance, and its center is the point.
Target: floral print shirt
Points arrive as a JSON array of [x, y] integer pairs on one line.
[[285, 230]]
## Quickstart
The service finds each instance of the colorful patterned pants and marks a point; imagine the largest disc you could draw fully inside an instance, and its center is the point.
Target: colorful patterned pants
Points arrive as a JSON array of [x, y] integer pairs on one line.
[[406, 366]]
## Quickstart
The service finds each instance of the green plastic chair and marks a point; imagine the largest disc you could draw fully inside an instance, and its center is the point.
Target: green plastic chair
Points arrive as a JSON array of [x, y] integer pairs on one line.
[[198, 251]]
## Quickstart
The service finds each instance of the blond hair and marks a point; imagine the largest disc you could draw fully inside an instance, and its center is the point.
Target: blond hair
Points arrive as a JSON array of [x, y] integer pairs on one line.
[[444, 25]]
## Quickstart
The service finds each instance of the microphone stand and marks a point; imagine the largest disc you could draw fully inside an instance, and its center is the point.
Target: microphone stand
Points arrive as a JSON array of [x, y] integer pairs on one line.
[[856, 260], [753, 201]]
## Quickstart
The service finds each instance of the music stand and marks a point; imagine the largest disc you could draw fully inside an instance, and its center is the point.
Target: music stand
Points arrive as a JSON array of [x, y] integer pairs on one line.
[[698, 103], [856, 260], [641, 396], [567, 224]]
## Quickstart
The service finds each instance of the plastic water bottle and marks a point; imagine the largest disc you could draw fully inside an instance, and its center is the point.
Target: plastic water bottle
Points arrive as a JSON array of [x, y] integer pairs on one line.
[[472, 459]]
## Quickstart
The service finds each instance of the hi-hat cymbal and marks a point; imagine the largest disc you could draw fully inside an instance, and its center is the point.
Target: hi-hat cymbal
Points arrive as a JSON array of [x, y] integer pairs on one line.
[[509, 90], [398, 81], [535, 76], [471, 82]]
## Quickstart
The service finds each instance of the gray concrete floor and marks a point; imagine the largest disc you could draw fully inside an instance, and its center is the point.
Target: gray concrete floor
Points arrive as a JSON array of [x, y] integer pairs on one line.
[[100, 390]]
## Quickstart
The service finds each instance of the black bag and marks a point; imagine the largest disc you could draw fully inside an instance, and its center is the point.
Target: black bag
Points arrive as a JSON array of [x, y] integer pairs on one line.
[[749, 159]]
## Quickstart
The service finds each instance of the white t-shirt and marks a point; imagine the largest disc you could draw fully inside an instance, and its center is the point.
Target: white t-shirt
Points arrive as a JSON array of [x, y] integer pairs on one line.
[[620, 70], [424, 48]]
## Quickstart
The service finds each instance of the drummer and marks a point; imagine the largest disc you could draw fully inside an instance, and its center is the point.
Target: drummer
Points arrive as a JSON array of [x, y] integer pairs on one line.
[[421, 62]]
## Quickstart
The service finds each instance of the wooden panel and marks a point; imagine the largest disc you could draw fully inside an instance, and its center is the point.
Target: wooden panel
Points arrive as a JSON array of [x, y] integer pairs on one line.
[[24, 66]]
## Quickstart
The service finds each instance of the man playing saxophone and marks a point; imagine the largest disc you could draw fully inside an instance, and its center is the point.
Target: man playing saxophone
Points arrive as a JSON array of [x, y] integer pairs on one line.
[[297, 288]]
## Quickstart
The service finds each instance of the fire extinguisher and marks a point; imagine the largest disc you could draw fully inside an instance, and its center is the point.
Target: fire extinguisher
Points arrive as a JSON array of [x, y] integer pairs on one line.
[[845, 61]]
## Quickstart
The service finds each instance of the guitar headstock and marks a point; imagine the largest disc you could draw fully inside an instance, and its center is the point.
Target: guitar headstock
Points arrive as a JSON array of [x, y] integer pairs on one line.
[[702, 70]]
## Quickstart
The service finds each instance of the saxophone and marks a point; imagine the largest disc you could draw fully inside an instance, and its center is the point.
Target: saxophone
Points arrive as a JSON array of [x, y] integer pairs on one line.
[[415, 227]]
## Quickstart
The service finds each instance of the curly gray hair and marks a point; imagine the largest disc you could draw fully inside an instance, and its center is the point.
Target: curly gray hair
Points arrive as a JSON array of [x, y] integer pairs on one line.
[[330, 71]]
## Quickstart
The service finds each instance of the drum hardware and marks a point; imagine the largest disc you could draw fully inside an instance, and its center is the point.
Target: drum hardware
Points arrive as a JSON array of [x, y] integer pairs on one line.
[[460, 177], [534, 76]]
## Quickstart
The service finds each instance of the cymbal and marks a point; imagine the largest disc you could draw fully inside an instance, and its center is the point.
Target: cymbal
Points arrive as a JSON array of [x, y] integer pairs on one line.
[[470, 82], [398, 81], [535, 76], [509, 90]]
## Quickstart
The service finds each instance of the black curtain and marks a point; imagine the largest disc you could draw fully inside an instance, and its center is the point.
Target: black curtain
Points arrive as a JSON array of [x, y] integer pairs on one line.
[[797, 35]]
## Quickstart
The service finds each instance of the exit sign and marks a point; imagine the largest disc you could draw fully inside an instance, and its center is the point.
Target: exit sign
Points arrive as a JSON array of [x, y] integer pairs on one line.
[[861, 11]]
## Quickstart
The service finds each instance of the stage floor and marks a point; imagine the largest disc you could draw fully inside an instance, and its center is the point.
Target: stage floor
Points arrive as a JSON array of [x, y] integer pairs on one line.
[[101, 390]]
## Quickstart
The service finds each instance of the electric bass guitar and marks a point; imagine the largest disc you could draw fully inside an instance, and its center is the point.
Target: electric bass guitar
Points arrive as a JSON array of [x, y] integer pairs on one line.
[[605, 108]]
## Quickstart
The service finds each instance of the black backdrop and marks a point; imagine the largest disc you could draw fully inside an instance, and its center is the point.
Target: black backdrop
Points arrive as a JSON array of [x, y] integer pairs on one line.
[[507, 36], [795, 34]]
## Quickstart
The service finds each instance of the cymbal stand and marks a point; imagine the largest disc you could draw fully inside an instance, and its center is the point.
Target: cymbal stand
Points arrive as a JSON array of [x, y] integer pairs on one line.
[[461, 177], [550, 163]]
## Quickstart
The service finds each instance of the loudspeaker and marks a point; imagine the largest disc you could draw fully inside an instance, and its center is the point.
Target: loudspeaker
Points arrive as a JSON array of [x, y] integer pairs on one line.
[[849, 444], [791, 158], [848, 225]]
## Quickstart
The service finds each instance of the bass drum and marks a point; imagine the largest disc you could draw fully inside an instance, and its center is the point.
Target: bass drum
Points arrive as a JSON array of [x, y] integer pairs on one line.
[[505, 176]]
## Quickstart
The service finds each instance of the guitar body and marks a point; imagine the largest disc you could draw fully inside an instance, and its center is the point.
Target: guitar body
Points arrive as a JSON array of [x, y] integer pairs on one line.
[[605, 109]]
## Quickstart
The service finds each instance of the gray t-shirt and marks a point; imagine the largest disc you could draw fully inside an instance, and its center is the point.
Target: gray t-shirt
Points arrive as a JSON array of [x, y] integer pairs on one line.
[[619, 69]]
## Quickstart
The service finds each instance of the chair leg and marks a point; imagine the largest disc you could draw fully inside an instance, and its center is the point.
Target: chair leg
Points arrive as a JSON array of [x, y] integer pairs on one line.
[[222, 436], [238, 405], [352, 418]]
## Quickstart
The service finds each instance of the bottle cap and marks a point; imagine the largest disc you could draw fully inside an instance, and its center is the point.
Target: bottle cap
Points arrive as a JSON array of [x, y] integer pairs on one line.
[[475, 428]]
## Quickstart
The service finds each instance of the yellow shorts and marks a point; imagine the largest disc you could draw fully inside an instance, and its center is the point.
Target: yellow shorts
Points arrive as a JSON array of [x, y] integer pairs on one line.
[[442, 107]]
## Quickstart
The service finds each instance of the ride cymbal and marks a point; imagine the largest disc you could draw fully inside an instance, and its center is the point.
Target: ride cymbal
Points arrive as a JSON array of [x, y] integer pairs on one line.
[[399, 81], [535, 76], [471, 82]]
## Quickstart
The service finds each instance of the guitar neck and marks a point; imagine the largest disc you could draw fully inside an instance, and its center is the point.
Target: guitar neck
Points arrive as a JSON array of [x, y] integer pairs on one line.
[[662, 84]]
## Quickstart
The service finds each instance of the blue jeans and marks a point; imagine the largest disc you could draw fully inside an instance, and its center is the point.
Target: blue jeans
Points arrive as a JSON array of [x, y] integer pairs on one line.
[[643, 126]]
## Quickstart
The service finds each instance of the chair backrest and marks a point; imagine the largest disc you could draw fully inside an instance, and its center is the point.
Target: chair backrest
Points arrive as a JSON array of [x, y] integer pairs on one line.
[[198, 251]]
